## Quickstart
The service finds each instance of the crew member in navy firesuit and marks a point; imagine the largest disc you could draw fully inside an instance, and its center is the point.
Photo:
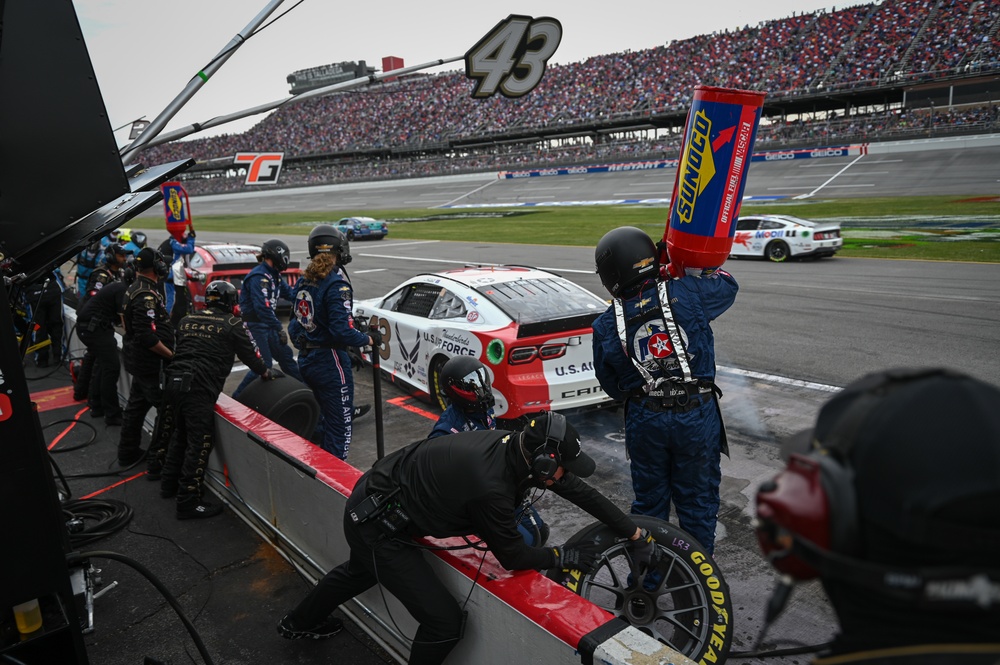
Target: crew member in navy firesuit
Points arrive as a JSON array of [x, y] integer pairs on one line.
[[206, 342], [654, 349], [323, 329], [258, 301], [466, 384], [114, 260], [179, 250], [148, 346], [456, 485], [95, 326]]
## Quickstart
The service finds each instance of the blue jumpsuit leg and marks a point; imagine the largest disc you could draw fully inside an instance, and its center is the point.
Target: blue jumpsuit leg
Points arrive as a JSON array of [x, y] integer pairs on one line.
[[285, 357], [328, 373], [696, 472], [261, 335], [648, 439]]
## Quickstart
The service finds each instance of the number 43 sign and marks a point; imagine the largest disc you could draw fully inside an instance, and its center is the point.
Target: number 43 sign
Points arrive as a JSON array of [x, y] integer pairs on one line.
[[511, 59]]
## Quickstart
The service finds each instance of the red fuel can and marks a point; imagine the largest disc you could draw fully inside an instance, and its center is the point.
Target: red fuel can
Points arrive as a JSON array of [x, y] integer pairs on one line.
[[712, 173]]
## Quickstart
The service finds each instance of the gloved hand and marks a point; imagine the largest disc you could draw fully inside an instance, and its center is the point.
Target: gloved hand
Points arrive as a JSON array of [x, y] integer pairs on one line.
[[643, 553], [582, 557], [276, 373], [376, 336], [191, 232], [283, 336]]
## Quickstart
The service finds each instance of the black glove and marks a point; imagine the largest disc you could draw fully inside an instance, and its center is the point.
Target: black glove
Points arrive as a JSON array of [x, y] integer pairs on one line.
[[376, 336], [275, 374], [191, 232], [643, 552], [582, 557], [283, 337]]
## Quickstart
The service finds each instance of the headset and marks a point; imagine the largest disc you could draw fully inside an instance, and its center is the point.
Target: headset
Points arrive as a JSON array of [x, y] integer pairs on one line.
[[546, 459], [808, 523]]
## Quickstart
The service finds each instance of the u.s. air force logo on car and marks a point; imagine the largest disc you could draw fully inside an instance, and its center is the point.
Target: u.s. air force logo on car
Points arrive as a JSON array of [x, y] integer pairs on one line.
[[305, 310]]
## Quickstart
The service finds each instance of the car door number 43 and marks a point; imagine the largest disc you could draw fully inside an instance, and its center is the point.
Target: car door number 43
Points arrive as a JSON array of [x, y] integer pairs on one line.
[[511, 59]]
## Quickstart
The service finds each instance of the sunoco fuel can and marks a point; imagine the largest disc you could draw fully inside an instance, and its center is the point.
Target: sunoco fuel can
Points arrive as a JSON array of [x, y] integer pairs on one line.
[[712, 173]]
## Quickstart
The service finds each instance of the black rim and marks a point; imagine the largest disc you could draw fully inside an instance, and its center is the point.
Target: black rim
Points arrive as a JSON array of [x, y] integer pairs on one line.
[[669, 604]]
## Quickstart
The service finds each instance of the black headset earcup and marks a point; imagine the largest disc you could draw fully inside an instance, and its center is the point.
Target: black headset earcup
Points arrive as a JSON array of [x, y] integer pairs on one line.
[[544, 464]]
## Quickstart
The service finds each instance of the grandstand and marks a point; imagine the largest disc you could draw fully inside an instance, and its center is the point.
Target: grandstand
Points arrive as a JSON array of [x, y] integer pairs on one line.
[[872, 72]]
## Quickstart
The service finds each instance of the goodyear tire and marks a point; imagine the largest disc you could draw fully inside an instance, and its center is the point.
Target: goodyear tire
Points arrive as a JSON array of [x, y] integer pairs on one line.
[[687, 604], [777, 251], [286, 401], [436, 393]]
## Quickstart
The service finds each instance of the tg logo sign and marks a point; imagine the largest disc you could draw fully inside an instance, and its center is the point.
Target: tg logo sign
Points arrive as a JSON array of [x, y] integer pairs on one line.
[[262, 167]]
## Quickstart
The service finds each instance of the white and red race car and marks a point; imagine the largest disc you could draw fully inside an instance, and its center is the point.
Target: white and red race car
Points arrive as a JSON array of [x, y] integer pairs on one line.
[[531, 328]]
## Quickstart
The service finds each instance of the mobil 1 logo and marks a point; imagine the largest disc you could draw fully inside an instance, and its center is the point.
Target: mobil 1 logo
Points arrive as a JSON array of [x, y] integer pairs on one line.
[[511, 58]]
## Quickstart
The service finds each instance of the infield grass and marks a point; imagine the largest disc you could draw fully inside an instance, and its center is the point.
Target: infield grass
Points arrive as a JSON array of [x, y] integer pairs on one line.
[[925, 227]]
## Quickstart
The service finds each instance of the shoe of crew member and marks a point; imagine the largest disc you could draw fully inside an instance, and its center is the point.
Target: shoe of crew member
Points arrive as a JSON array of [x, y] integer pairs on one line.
[[196, 509], [361, 410], [325, 629], [113, 419]]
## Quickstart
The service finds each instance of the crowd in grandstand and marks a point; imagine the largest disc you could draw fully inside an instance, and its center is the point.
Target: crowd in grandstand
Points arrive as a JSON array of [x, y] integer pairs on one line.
[[851, 47]]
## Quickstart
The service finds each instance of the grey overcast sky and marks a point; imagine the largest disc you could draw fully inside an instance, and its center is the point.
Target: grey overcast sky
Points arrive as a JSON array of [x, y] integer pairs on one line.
[[146, 51]]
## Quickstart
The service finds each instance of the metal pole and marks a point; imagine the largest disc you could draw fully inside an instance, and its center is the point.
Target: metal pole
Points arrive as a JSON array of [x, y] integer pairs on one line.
[[157, 125], [377, 381], [294, 99]]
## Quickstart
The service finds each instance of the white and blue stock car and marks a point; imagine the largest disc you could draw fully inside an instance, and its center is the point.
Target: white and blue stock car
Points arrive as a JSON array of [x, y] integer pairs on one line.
[[782, 237]]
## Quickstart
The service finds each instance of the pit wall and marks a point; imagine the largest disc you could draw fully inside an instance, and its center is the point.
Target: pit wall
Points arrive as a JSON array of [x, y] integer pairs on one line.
[[292, 493]]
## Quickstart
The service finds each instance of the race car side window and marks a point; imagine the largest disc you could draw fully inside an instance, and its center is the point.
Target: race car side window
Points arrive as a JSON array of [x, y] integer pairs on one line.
[[770, 225], [417, 299], [195, 260], [747, 224], [448, 306]]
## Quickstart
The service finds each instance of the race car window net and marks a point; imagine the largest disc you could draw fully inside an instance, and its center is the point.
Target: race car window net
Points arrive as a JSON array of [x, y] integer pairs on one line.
[[417, 299], [545, 305]]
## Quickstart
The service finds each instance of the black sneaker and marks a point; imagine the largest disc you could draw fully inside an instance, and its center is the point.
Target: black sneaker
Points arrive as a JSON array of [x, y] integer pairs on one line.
[[323, 630], [96, 413], [361, 410], [113, 419], [197, 509]]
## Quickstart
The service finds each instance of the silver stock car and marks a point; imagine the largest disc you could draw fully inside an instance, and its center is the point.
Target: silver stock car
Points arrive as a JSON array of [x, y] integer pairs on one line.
[[781, 237], [529, 327]]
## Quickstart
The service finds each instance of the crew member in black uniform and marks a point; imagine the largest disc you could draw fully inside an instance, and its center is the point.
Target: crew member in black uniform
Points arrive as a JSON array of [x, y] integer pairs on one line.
[[455, 485], [95, 326], [891, 500], [115, 258], [45, 299], [110, 270], [206, 342], [149, 344]]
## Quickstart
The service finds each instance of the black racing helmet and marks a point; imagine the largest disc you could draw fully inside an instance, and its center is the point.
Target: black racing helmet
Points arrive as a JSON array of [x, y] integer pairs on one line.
[[278, 252], [466, 382], [326, 239], [625, 256], [222, 296]]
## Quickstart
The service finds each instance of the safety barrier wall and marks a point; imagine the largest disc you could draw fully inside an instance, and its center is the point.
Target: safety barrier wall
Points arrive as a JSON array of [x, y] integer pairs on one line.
[[292, 493]]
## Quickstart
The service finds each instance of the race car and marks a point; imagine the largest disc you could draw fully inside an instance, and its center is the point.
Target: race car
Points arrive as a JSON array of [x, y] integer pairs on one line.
[[229, 262], [531, 328], [780, 237], [362, 228]]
